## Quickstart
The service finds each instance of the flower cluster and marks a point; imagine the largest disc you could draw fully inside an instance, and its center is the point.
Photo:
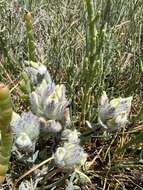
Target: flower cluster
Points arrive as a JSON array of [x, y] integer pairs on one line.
[[48, 101], [71, 154], [113, 114], [50, 106]]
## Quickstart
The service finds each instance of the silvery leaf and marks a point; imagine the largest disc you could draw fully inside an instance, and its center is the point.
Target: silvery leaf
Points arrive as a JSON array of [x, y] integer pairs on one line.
[[25, 185]]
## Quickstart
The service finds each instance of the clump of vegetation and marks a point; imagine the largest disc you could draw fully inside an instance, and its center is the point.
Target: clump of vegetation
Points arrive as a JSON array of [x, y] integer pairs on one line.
[[59, 59]]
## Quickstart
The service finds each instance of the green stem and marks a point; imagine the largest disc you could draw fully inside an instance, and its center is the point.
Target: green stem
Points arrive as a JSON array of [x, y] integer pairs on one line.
[[30, 37], [90, 59], [6, 134]]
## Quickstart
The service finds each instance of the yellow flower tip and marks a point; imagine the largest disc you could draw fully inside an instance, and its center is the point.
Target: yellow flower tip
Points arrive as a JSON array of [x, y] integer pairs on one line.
[[59, 89], [57, 94], [4, 92], [116, 102], [103, 99], [28, 17], [67, 116], [2, 179], [60, 153], [3, 170], [130, 98]]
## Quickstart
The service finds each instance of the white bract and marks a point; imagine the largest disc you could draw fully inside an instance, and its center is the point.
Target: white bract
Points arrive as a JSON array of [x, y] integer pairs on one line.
[[23, 142]]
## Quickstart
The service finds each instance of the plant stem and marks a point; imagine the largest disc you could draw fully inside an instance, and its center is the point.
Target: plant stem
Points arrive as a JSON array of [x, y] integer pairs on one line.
[[30, 37], [6, 134], [90, 59], [93, 75]]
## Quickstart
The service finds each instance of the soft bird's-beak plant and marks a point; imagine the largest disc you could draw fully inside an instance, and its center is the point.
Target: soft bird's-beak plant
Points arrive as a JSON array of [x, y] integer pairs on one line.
[[5, 130]]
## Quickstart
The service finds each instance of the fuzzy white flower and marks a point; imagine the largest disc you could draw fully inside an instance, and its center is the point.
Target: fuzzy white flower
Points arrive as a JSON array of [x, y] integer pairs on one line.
[[49, 101], [50, 126], [26, 130], [114, 114], [37, 72], [70, 156]]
